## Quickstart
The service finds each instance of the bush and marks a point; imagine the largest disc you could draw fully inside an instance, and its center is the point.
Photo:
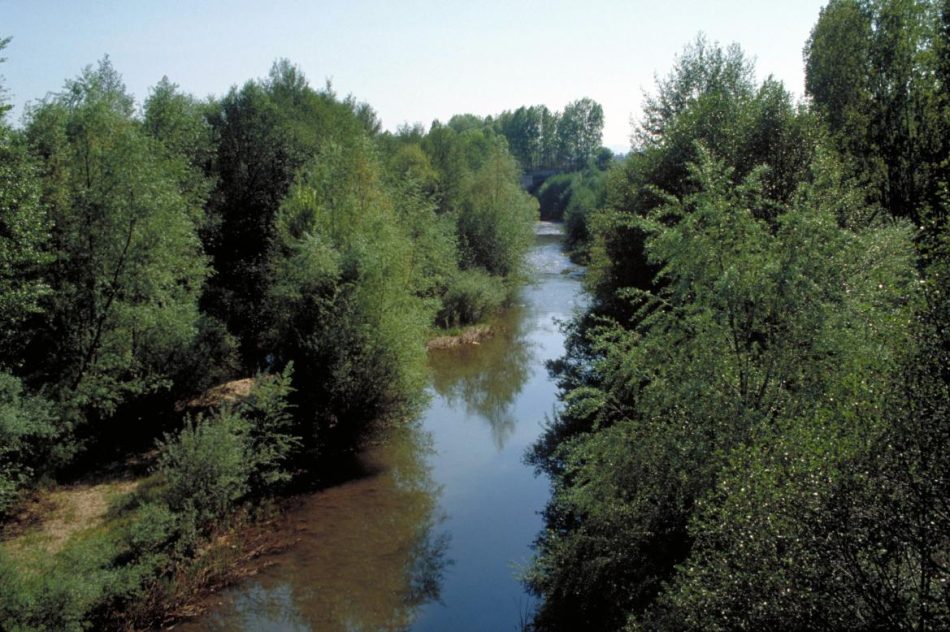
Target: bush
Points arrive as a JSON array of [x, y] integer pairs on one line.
[[211, 359], [588, 193], [471, 296], [496, 220], [66, 594], [27, 434], [206, 469], [343, 304], [271, 443]]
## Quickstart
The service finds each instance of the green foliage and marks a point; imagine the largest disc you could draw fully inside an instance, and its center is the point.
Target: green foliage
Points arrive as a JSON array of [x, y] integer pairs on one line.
[[756, 403], [343, 302], [84, 585], [271, 442], [554, 196], [102, 577], [129, 266], [526, 134], [580, 129], [540, 139], [54, 600], [214, 462], [206, 468], [495, 222], [434, 256], [266, 131], [24, 247], [24, 240], [838, 521], [710, 98], [573, 198], [180, 124], [28, 435], [471, 296], [876, 75], [753, 326], [210, 359], [457, 193], [144, 258]]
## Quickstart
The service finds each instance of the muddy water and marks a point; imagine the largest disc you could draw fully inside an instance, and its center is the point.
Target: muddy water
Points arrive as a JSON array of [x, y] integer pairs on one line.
[[431, 532]]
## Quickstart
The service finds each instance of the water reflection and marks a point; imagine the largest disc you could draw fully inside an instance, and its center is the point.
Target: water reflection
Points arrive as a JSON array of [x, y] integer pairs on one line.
[[369, 552], [487, 378], [372, 553]]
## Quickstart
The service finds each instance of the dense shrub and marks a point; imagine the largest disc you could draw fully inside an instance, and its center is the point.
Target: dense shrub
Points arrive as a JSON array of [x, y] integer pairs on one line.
[[755, 404], [495, 221], [28, 436], [344, 307], [271, 439], [748, 346], [146, 255], [206, 468], [471, 296], [129, 267], [74, 590]]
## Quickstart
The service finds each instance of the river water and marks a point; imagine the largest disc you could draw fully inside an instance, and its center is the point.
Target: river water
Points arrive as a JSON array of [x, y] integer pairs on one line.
[[432, 531]]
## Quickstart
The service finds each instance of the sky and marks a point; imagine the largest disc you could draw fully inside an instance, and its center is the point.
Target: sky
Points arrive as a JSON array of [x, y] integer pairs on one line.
[[414, 61]]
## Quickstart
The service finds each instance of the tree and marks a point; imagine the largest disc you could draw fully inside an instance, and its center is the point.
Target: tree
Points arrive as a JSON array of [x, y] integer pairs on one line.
[[266, 131], [580, 130], [749, 331], [549, 138], [873, 75], [710, 97], [180, 123], [494, 224], [342, 302], [129, 266], [28, 437], [522, 128], [24, 243]]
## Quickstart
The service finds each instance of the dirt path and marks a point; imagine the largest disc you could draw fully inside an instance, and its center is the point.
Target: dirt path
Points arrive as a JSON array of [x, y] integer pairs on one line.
[[51, 517]]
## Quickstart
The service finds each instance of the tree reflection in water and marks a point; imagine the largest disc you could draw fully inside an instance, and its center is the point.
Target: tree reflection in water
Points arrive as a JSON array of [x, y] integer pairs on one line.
[[489, 376], [368, 553]]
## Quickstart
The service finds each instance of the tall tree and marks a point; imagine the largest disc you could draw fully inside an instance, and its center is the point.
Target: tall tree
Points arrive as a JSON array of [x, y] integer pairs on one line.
[[494, 224], [872, 73], [129, 266], [24, 242], [343, 304], [580, 130], [709, 97], [265, 131], [180, 123]]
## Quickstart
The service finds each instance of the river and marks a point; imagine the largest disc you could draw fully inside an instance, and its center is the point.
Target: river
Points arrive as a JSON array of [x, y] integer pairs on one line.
[[432, 531]]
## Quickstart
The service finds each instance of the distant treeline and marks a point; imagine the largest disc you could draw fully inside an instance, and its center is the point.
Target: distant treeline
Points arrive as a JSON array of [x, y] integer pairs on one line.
[[756, 405], [148, 253], [565, 148], [544, 140]]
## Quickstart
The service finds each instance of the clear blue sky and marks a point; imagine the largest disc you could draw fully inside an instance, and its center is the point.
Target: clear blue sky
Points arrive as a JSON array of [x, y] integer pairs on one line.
[[413, 61]]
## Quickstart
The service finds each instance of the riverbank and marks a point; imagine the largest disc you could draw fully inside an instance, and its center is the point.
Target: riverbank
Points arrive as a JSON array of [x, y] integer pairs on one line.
[[378, 514], [65, 536], [427, 531]]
